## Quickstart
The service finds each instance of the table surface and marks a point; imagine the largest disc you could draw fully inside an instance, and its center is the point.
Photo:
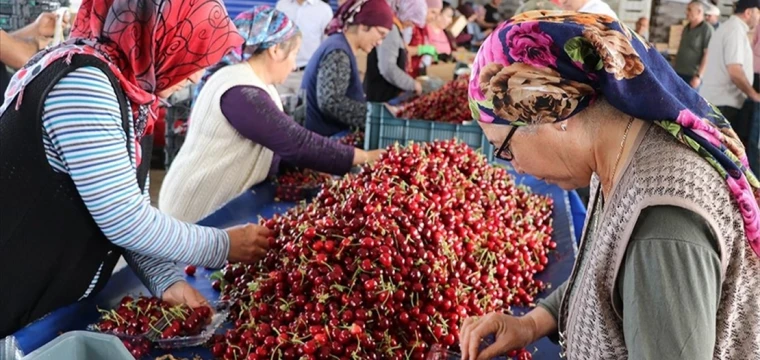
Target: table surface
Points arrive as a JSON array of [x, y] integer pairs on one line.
[[259, 202]]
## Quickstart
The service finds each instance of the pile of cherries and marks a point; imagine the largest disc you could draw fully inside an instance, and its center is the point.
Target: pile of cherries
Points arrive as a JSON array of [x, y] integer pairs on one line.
[[388, 262], [355, 139], [448, 104], [134, 319], [297, 184]]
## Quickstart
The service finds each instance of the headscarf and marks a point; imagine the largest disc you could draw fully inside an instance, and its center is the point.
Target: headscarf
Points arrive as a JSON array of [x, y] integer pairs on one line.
[[261, 28], [149, 46], [546, 66], [361, 12], [410, 10], [466, 10], [434, 4]]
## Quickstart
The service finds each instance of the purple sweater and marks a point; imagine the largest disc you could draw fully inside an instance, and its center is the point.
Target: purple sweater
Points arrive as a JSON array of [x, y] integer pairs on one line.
[[251, 111]]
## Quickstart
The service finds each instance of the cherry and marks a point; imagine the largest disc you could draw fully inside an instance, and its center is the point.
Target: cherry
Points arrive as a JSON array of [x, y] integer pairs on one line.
[[190, 270]]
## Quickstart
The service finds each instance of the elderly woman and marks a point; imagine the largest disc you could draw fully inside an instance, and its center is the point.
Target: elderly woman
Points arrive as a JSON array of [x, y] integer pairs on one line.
[[669, 264], [387, 79], [240, 132], [335, 100], [75, 153]]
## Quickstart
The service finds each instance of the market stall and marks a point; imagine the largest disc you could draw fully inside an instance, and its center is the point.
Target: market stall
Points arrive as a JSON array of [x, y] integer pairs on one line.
[[259, 202]]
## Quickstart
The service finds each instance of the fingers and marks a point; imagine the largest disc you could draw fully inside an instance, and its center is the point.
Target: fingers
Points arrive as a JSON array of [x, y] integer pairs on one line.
[[464, 339]]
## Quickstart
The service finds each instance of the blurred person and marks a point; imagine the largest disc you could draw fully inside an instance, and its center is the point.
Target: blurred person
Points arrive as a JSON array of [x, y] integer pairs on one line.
[[472, 35], [311, 17], [669, 262], [588, 6], [335, 100], [239, 114], [532, 5], [691, 58], [712, 16], [438, 34], [642, 27], [19, 46], [420, 45], [727, 81], [492, 17], [387, 79], [75, 151]]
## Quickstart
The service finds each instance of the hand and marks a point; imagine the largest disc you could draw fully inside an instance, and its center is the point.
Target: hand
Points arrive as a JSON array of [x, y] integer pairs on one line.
[[394, 110], [418, 88], [695, 82], [248, 243], [373, 155], [510, 332], [45, 24], [182, 293], [755, 96]]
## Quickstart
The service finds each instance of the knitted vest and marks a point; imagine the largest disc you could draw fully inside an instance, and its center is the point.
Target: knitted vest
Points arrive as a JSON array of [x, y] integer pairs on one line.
[[661, 172], [216, 163]]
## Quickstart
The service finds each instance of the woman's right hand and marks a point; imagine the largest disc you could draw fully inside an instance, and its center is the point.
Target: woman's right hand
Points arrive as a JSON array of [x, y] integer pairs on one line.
[[418, 88], [248, 243], [510, 333]]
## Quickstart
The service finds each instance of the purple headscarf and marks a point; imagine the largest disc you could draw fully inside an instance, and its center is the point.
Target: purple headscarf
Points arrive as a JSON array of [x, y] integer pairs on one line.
[[414, 11]]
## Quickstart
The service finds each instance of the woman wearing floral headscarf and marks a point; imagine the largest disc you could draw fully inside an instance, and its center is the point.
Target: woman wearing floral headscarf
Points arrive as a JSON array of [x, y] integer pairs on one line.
[[335, 101], [386, 78], [75, 153], [240, 132], [669, 264]]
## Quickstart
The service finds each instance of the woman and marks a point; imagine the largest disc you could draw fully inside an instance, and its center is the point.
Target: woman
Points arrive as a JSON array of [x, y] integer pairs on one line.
[[473, 35], [74, 151], [437, 34], [669, 264], [335, 101], [386, 78], [421, 45], [239, 114]]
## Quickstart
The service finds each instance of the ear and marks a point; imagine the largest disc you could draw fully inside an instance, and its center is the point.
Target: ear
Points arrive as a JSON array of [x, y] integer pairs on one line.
[[273, 52]]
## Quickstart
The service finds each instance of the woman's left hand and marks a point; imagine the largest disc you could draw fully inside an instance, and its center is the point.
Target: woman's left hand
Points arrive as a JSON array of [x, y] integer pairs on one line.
[[182, 293]]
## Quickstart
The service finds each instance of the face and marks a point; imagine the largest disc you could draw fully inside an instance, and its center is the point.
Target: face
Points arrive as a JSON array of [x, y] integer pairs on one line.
[[572, 5], [712, 19], [370, 37], [545, 152], [754, 17], [642, 24], [432, 15], [446, 18], [192, 79], [695, 13], [284, 62], [496, 2]]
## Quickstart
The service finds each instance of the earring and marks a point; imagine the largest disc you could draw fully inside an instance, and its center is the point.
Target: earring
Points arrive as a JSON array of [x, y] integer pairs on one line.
[[563, 126]]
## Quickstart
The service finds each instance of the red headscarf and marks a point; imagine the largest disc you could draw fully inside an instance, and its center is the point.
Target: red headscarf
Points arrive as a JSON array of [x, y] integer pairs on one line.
[[361, 12], [150, 45]]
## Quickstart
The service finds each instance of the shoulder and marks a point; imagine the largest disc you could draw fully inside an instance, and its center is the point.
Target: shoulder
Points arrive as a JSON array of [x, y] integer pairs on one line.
[[323, 8], [88, 85]]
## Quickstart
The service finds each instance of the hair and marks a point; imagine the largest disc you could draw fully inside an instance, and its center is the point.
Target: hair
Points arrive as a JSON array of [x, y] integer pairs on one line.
[[286, 45], [446, 5], [700, 3]]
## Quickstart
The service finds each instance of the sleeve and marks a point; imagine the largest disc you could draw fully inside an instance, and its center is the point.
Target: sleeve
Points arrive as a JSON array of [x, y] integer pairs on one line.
[[669, 286], [552, 302], [707, 37], [733, 52], [333, 78], [387, 57], [251, 111], [82, 118]]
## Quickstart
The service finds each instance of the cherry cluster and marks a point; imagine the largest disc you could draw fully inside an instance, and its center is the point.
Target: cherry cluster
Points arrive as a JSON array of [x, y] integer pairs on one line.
[[297, 184], [134, 319], [355, 139], [448, 104], [388, 262]]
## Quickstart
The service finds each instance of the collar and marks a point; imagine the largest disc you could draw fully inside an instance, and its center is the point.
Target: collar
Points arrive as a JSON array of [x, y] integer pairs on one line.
[[310, 2], [741, 22]]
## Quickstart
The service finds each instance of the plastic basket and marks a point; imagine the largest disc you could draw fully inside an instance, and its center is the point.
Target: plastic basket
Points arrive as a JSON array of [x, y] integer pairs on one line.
[[384, 129], [82, 345]]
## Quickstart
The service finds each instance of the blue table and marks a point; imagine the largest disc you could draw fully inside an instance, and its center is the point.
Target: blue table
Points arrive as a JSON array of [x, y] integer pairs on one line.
[[259, 202]]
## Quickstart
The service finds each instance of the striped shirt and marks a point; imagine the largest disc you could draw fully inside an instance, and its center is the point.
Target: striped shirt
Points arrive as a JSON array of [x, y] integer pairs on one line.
[[83, 137]]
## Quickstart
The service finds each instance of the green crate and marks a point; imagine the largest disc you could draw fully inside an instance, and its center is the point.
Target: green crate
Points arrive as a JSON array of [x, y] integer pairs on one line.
[[384, 129]]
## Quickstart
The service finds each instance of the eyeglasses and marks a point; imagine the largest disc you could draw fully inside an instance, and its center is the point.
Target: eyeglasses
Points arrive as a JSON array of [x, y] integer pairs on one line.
[[504, 152]]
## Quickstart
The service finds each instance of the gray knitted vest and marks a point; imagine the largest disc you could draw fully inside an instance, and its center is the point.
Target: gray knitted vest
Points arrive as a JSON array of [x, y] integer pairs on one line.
[[661, 172]]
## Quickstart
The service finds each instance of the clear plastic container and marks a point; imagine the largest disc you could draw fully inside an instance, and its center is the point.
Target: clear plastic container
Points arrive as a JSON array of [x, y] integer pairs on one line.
[[81, 345]]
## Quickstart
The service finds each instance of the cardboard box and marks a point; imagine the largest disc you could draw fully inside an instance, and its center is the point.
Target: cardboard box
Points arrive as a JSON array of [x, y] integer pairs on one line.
[[443, 71], [465, 56], [674, 40], [457, 26]]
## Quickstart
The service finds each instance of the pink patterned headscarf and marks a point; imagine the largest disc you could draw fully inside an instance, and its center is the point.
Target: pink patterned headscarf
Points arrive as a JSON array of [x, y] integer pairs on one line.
[[414, 11]]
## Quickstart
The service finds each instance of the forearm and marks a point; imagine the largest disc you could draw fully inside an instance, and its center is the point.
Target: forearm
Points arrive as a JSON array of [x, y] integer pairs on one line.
[[738, 78], [26, 32], [157, 275], [702, 65], [16, 52]]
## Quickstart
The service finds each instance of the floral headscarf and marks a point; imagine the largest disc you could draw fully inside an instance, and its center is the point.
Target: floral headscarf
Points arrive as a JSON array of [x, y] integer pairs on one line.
[[150, 46], [410, 10], [261, 28], [546, 66]]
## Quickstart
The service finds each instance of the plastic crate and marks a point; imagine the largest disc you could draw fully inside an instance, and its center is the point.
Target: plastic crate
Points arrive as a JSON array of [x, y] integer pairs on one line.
[[82, 345], [384, 129]]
